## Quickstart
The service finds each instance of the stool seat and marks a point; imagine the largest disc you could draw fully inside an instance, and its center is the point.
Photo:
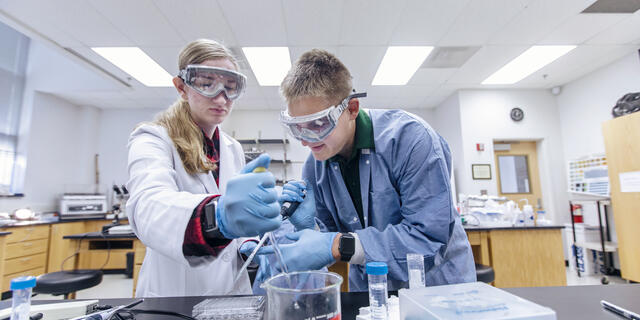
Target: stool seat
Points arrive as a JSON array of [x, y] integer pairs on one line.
[[65, 282], [485, 273]]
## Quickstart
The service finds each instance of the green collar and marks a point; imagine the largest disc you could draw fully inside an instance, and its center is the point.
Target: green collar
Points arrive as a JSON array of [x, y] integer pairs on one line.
[[363, 137]]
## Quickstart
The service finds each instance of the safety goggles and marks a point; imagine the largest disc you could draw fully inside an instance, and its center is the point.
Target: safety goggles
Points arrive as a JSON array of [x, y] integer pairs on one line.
[[316, 127], [210, 81]]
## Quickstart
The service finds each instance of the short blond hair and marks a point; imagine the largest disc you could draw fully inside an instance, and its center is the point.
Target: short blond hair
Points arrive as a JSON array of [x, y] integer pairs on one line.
[[185, 134], [317, 73]]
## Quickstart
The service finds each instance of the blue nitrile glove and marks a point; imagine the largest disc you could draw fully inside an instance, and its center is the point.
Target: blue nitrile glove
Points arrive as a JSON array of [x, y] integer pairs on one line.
[[305, 214], [310, 251], [247, 247], [249, 206]]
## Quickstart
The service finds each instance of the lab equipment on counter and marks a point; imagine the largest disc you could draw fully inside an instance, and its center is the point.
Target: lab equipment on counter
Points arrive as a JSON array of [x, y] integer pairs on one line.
[[303, 295], [377, 275], [223, 308], [468, 301], [415, 268], [21, 288], [81, 206], [58, 310]]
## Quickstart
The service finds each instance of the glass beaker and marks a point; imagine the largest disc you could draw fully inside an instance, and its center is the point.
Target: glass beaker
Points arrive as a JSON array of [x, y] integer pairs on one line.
[[304, 295]]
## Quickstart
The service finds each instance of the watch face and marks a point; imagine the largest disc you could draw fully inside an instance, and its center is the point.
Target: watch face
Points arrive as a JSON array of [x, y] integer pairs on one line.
[[517, 114]]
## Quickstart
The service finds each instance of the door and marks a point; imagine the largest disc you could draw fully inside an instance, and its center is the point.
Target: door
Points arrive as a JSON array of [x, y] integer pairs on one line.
[[518, 173]]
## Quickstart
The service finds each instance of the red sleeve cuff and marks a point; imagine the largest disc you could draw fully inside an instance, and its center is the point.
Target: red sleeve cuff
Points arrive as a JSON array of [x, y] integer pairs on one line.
[[194, 242]]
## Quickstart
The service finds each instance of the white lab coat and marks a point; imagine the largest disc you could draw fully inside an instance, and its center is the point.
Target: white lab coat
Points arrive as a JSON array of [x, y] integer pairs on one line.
[[163, 197]]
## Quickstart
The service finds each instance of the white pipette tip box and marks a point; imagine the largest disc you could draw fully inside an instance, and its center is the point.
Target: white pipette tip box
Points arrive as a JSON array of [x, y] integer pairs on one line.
[[469, 301]]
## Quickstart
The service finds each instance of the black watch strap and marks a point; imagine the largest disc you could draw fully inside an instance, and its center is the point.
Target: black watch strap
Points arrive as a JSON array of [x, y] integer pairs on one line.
[[210, 229], [346, 246]]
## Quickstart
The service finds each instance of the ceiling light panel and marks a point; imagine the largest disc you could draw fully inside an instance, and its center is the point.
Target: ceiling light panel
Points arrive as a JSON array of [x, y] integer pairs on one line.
[[137, 64], [269, 64], [527, 63], [399, 64]]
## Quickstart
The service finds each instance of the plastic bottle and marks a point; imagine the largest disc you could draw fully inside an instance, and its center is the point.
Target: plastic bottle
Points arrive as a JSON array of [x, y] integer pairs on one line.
[[377, 274], [21, 288]]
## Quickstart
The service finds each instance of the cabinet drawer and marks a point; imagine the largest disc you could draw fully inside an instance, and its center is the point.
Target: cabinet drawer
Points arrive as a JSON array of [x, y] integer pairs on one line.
[[26, 248], [6, 280], [19, 234], [25, 263]]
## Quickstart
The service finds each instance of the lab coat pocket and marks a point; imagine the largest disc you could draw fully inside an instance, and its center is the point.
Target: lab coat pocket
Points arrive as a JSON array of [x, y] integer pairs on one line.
[[384, 208]]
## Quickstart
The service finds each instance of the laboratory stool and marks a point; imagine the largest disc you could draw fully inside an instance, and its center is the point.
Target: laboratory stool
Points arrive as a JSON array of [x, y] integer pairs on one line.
[[67, 282], [485, 273]]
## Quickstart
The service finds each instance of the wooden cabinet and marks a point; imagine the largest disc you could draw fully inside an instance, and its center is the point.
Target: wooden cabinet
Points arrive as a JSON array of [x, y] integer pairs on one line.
[[61, 249], [140, 250], [520, 257], [25, 252], [621, 136]]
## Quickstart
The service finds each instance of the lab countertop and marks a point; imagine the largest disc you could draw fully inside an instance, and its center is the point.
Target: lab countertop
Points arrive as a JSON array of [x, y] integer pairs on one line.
[[576, 302], [482, 228], [26, 223], [100, 235]]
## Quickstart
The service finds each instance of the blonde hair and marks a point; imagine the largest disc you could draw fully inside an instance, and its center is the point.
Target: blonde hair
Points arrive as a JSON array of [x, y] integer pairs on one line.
[[317, 73], [177, 120]]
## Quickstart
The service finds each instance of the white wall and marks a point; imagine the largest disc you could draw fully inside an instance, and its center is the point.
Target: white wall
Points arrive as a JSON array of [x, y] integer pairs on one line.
[[115, 127], [482, 116], [446, 121], [585, 103], [60, 155]]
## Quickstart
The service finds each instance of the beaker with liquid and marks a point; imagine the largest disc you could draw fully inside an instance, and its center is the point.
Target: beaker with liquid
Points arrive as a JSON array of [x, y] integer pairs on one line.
[[303, 295]]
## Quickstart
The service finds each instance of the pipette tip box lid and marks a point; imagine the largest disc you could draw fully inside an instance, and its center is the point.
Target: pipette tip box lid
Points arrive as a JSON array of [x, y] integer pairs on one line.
[[469, 301]]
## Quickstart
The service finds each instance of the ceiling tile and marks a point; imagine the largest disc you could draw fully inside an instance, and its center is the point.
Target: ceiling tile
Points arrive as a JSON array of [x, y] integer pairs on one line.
[[485, 62], [296, 52], [38, 21], [432, 76], [166, 57], [626, 31], [537, 20], [409, 102], [198, 19], [362, 62], [381, 103], [256, 22], [580, 28], [415, 90], [312, 23], [141, 21], [480, 20], [578, 62], [424, 22], [80, 21], [369, 22]]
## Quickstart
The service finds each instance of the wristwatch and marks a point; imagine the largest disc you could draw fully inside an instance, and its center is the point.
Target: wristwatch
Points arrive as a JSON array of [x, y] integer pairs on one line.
[[346, 246], [208, 222]]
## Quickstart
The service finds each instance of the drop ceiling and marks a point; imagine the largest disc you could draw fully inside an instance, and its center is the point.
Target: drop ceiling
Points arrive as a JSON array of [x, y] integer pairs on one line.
[[357, 31]]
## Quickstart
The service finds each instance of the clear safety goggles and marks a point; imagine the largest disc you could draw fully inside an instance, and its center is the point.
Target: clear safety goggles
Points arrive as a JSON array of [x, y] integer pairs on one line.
[[316, 127], [210, 81]]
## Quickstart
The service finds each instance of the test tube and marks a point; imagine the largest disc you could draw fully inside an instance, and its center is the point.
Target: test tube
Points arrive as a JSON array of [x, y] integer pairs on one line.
[[415, 266]]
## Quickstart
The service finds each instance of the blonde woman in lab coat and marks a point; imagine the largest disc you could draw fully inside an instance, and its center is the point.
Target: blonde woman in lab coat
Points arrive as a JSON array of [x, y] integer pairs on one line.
[[192, 197]]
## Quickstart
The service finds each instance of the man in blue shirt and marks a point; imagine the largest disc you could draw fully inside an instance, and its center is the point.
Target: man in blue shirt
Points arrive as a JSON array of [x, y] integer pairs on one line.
[[377, 183]]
